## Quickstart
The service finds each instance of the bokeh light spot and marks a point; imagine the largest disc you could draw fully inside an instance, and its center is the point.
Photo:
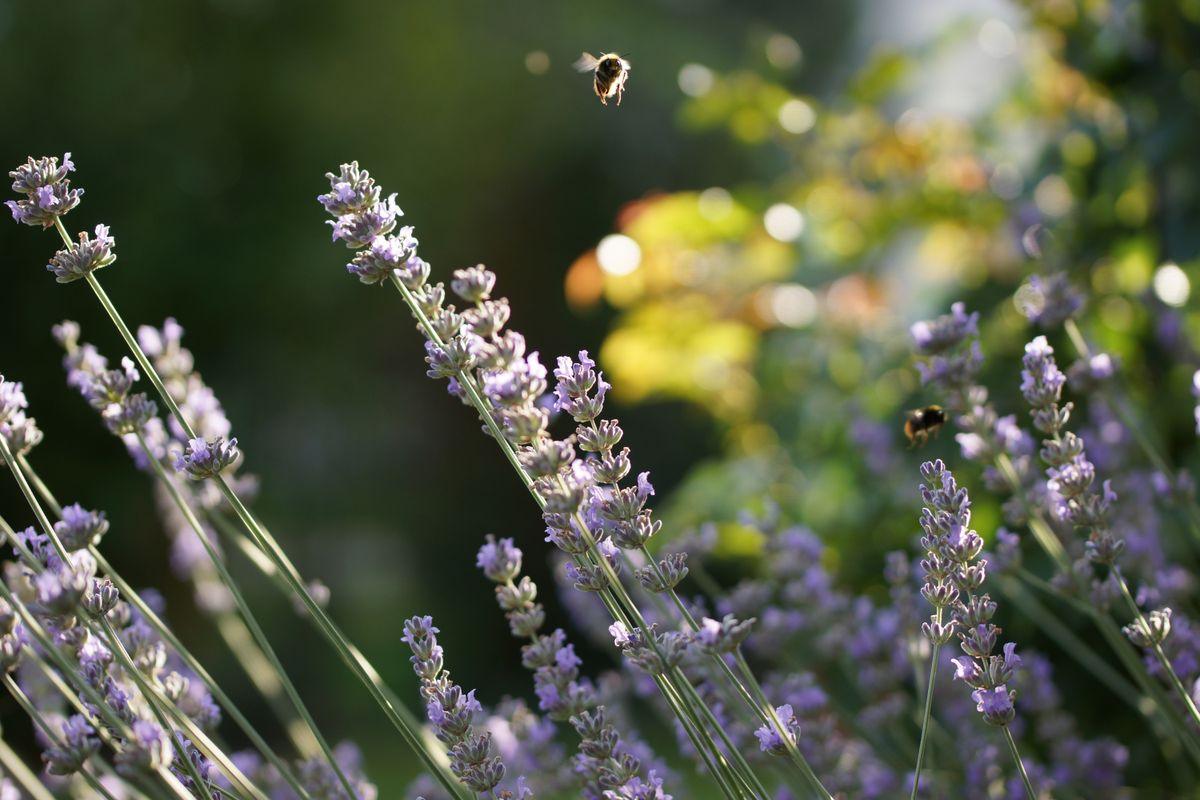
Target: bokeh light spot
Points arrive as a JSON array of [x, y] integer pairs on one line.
[[618, 254], [537, 62], [695, 80], [1171, 284], [783, 51], [714, 203], [784, 222], [997, 39], [797, 116]]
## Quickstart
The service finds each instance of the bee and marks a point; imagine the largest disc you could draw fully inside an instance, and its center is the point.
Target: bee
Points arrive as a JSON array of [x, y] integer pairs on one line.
[[611, 72], [921, 423]]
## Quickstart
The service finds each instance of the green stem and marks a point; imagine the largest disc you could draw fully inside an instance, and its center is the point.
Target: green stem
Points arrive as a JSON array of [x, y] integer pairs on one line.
[[1042, 532], [44, 521], [247, 615], [757, 702], [350, 656], [1012, 748], [379, 690], [707, 749], [1116, 641], [928, 714]]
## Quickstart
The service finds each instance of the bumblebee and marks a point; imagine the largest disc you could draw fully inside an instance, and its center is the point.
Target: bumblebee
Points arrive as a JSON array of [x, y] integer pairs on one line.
[[610, 70], [921, 423]]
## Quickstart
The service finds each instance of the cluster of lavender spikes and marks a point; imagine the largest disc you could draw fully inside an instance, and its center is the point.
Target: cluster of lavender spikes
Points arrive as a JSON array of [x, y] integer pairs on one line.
[[137, 700]]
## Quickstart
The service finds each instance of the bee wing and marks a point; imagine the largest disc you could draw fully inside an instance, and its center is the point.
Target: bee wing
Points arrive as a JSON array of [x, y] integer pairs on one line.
[[587, 63]]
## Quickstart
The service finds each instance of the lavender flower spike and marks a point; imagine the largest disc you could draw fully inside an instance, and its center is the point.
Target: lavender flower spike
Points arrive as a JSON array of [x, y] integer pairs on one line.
[[451, 712]]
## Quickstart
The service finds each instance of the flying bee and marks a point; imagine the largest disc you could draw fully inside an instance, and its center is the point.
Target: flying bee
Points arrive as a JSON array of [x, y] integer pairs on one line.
[[611, 71], [921, 423]]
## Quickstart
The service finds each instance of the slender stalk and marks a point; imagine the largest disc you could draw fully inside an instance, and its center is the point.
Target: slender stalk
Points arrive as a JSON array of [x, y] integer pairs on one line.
[[1012, 747], [349, 655], [379, 690], [713, 759], [928, 714], [247, 615], [40, 793]]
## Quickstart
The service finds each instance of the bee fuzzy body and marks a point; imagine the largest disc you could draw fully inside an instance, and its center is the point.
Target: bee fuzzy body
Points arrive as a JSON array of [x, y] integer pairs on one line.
[[921, 423], [610, 72]]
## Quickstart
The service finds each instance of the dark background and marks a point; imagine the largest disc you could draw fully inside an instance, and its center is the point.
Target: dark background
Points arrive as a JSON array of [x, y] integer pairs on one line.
[[201, 133]]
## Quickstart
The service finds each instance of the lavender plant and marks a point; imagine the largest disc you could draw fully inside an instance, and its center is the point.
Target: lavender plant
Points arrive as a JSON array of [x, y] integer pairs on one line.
[[786, 681]]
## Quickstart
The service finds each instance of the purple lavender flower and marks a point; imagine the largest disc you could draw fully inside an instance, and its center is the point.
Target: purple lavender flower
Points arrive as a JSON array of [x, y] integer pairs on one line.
[[1070, 474], [421, 636], [360, 228], [80, 528], [954, 575], [20, 433], [350, 191], [72, 263], [950, 356], [203, 459], [58, 591], [724, 636], [499, 560], [101, 597], [995, 704], [78, 744], [12, 399], [383, 257], [1196, 394], [48, 192], [769, 739], [149, 750], [1048, 302], [946, 332]]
